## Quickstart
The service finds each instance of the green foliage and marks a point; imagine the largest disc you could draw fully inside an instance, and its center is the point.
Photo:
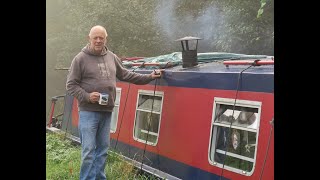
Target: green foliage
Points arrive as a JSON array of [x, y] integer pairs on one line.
[[135, 29], [243, 32], [260, 11]]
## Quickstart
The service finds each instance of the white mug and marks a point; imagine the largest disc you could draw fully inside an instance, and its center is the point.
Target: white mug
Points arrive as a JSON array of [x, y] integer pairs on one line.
[[103, 100]]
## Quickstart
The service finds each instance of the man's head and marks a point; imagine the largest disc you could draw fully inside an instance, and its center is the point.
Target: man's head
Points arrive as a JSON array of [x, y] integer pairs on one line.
[[97, 38]]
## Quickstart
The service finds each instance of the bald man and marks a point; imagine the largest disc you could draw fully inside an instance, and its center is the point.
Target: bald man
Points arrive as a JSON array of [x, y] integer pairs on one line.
[[93, 72]]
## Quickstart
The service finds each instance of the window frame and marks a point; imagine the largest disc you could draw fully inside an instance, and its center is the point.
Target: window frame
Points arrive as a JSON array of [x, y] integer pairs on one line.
[[116, 106], [215, 125], [148, 93]]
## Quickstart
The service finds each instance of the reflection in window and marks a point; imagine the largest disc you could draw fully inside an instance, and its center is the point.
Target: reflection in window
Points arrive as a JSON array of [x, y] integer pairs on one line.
[[234, 135], [240, 116], [114, 118], [148, 115]]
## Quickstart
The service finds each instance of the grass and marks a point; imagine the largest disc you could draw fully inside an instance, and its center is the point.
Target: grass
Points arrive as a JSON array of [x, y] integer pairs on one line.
[[63, 162]]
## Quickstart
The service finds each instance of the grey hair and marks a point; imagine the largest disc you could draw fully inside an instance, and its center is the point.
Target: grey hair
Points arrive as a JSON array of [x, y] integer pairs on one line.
[[98, 27]]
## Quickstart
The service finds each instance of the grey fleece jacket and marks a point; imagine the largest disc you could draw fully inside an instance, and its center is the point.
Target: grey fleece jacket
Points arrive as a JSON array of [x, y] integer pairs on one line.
[[97, 73]]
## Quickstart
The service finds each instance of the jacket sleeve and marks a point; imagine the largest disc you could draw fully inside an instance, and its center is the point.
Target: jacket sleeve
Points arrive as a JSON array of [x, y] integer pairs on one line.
[[73, 82], [125, 75]]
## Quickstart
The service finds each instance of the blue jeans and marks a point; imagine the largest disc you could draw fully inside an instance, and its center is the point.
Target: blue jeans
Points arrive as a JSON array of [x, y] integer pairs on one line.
[[94, 131]]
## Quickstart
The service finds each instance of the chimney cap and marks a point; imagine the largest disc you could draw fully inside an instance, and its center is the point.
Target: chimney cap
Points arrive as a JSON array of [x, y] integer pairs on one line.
[[188, 38]]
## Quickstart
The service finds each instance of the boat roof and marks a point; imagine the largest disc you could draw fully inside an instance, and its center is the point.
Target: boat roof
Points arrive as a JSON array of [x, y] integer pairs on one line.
[[212, 62]]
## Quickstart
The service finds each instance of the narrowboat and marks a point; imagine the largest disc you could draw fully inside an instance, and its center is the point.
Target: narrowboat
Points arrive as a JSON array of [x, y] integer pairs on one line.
[[210, 116]]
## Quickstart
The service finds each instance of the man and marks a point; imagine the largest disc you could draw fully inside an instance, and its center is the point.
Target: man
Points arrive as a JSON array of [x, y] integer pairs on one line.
[[94, 71]]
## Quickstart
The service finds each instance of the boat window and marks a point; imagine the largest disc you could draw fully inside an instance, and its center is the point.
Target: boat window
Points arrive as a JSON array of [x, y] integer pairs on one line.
[[148, 116], [234, 132], [114, 118]]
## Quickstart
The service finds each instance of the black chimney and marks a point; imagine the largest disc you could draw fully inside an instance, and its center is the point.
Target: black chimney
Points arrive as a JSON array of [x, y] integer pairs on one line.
[[189, 56]]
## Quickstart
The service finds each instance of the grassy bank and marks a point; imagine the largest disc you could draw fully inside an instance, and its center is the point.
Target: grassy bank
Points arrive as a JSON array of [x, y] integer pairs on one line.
[[63, 161]]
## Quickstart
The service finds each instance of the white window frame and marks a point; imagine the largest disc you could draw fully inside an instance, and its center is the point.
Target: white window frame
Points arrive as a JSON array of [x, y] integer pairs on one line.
[[116, 115], [150, 93], [213, 129]]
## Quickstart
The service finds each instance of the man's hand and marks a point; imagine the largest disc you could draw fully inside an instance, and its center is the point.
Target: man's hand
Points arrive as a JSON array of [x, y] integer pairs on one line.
[[157, 73], [94, 97]]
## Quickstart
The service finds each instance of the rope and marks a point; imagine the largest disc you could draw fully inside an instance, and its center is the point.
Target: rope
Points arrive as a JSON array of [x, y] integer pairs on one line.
[[265, 158], [125, 105], [228, 137], [149, 123]]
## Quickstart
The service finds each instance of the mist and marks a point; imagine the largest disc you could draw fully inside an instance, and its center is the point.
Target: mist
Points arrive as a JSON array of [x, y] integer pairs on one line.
[[150, 27]]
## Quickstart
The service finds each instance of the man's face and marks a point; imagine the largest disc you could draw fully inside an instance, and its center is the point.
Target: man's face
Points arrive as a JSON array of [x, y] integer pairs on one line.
[[97, 40]]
